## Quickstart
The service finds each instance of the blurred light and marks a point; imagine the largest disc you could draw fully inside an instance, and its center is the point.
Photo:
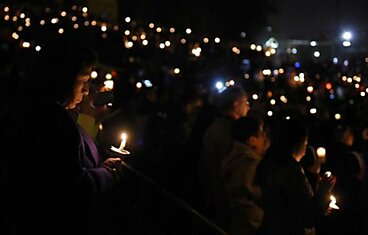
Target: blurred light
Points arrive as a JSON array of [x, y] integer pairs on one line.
[[313, 110], [346, 43], [127, 19], [266, 72], [158, 29], [328, 86], [54, 20], [297, 64], [335, 60], [217, 40], [176, 70], [108, 76], [188, 31], [219, 85], [313, 43], [26, 44], [196, 51], [128, 44], [94, 74], [310, 89], [346, 35], [172, 30], [269, 113], [243, 34], [272, 42], [317, 54], [147, 83], [109, 84], [37, 48], [337, 116], [283, 99], [139, 85], [255, 97], [145, 42]]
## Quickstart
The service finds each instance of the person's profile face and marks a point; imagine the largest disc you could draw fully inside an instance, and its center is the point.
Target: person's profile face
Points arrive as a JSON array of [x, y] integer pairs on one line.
[[81, 88], [243, 106]]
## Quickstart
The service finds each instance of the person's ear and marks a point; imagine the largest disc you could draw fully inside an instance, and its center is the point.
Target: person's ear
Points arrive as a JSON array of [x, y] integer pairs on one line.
[[251, 141]]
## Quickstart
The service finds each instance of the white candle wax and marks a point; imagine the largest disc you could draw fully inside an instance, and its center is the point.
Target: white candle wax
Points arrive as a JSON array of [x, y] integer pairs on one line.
[[123, 141]]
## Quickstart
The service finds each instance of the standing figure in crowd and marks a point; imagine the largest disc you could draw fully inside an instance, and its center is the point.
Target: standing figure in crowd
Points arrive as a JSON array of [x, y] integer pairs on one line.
[[289, 203], [55, 178], [349, 167], [217, 141], [238, 169]]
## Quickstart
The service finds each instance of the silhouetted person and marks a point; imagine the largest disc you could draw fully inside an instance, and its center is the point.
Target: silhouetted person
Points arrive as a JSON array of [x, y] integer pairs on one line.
[[55, 176]]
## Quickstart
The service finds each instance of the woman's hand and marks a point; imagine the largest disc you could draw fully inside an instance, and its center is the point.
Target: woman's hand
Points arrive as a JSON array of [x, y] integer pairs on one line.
[[115, 167]]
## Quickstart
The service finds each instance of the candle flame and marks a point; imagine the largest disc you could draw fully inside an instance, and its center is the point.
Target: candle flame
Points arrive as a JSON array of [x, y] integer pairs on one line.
[[321, 152], [123, 137]]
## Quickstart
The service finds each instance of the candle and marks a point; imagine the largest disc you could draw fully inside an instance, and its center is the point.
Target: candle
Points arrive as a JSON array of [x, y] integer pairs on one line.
[[333, 203], [123, 142], [321, 152]]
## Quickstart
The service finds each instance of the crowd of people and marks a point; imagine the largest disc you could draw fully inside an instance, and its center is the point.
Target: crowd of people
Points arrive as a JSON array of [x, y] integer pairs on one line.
[[219, 151]]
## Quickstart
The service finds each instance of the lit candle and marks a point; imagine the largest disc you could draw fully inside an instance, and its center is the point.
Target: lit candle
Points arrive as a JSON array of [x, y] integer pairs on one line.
[[123, 141], [333, 203], [321, 152], [328, 173]]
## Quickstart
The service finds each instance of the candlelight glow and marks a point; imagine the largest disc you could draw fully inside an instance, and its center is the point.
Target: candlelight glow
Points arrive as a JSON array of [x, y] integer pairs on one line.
[[321, 152], [333, 203], [123, 141]]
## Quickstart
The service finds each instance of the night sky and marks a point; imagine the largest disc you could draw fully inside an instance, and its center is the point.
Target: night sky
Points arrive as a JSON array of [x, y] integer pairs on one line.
[[288, 18]]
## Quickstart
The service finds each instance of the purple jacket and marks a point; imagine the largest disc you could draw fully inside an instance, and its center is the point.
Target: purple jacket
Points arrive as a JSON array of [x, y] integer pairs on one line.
[[55, 179]]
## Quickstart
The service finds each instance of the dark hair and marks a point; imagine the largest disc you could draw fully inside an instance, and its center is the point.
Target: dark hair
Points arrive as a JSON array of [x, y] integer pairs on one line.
[[245, 127], [229, 96], [287, 136], [58, 64]]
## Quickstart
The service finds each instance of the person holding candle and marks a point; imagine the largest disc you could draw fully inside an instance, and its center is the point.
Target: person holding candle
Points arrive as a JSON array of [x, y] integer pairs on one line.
[[290, 204], [55, 177]]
